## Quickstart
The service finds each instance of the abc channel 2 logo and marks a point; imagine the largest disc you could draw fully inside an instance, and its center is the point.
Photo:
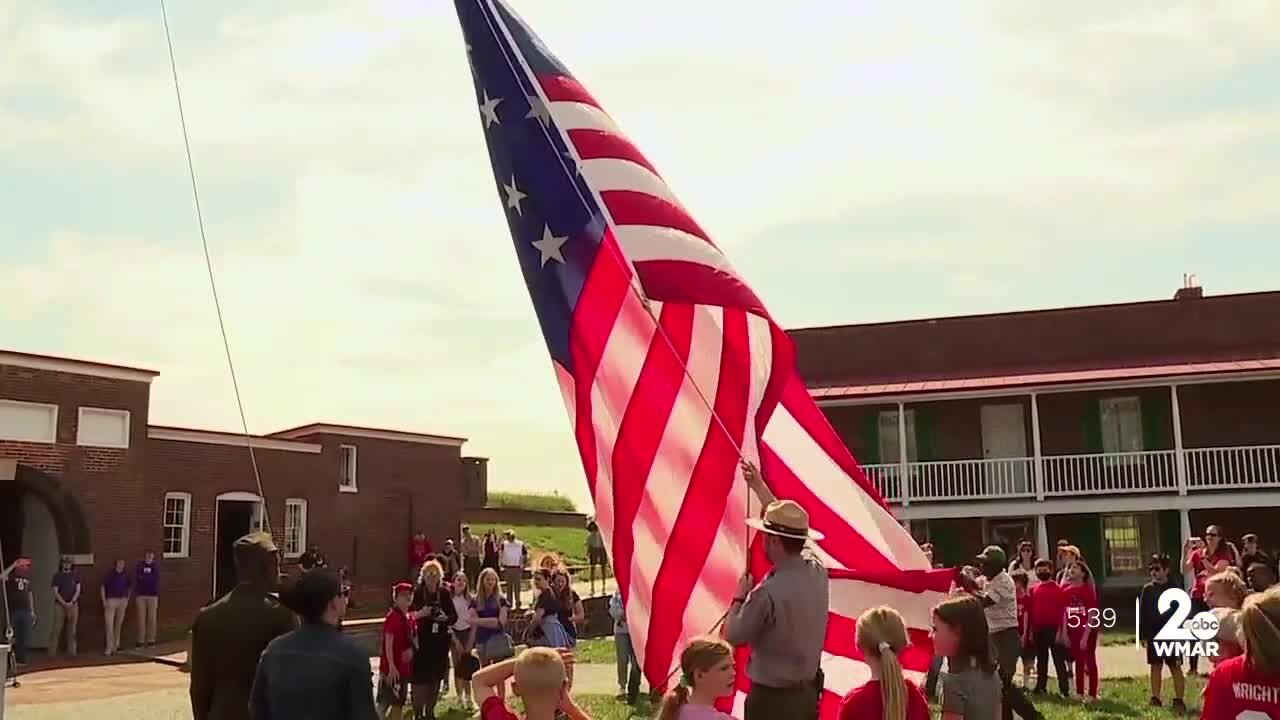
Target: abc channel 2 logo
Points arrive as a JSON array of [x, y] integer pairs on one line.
[[1179, 637]]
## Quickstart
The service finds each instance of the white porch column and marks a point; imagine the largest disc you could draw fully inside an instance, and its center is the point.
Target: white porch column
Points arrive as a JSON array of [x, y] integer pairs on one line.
[[1184, 521], [1042, 536], [903, 481], [1180, 458], [1038, 465]]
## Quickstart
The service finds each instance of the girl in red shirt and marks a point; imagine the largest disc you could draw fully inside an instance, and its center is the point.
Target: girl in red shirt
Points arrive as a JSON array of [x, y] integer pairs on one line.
[[881, 636], [1082, 633], [1248, 686]]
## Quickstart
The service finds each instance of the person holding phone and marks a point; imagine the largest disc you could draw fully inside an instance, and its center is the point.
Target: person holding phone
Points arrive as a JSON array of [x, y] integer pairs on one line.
[[1204, 558]]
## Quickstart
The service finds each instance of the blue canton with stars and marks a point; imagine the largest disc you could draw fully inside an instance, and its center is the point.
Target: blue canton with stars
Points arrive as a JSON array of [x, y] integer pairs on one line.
[[555, 222]]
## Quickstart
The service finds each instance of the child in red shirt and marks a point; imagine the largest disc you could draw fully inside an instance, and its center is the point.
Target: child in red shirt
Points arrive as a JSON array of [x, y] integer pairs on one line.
[[1021, 586], [881, 635], [539, 679], [1046, 608], [1082, 633], [1248, 686], [395, 665]]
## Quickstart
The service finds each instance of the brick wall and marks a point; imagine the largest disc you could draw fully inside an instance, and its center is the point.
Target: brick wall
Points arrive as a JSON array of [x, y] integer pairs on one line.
[[107, 483], [1224, 414]]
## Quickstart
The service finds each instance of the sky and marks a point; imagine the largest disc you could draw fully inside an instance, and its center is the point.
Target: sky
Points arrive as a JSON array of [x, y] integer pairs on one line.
[[857, 161]]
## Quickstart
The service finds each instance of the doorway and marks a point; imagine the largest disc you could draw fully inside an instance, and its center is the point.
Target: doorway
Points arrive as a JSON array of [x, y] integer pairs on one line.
[[1004, 436], [237, 515], [1008, 532], [28, 529]]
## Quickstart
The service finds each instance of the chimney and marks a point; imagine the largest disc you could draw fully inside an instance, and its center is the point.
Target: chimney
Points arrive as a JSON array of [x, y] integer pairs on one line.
[[1190, 289]]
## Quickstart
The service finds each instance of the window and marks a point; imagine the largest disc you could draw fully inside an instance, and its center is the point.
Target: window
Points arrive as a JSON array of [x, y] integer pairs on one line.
[[28, 422], [177, 524], [295, 527], [1121, 424], [889, 436], [347, 480], [1128, 541], [100, 427]]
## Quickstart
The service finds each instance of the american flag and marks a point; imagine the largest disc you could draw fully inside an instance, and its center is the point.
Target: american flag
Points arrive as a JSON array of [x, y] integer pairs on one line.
[[671, 368]]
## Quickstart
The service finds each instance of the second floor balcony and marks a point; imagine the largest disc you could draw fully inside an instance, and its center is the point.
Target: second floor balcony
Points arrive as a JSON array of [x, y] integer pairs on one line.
[[1180, 439]]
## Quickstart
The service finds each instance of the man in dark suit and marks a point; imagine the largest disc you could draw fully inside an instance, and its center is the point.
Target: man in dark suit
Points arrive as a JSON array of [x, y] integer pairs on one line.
[[228, 637]]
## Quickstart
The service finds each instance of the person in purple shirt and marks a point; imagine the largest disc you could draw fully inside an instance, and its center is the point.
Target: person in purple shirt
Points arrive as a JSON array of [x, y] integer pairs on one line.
[[66, 605], [115, 603], [146, 592]]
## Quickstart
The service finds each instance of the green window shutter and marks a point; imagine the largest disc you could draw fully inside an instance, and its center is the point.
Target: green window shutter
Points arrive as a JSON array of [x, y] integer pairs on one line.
[[870, 438], [947, 549], [1088, 537], [1169, 540], [926, 437], [1093, 428], [1154, 421]]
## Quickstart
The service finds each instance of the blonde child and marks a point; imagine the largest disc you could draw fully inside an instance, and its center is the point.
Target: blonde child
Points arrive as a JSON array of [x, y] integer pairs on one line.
[[881, 636], [538, 678], [1248, 686], [706, 675]]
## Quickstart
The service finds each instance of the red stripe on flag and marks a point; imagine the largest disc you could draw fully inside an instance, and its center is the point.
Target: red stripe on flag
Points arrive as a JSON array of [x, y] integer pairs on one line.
[[798, 402], [562, 88], [695, 284], [628, 207], [844, 543], [698, 522], [642, 427], [603, 293], [596, 144], [841, 640], [782, 373]]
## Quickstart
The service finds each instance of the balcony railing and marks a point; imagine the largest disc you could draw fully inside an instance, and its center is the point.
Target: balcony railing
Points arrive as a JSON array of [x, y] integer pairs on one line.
[[1229, 468]]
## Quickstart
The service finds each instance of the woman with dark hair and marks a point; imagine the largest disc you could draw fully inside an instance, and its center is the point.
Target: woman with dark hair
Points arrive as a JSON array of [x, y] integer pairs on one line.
[[970, 686], [1026, 560], [313, 672], [490, 550]]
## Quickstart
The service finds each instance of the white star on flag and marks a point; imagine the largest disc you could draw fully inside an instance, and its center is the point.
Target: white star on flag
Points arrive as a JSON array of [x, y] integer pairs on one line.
[[489, 109], [538, 109], [550, 246], [514, 196]]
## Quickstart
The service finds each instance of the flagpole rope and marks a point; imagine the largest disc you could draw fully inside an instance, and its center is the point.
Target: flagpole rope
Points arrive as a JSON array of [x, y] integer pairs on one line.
[[623, 264], [208, 262]]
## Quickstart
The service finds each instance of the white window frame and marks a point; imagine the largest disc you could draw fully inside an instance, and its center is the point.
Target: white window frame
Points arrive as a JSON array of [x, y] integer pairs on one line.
[[185, 497], [353, 486], [128, 419], [888, 433], [1112, 412], [301, 546], [51, 438]]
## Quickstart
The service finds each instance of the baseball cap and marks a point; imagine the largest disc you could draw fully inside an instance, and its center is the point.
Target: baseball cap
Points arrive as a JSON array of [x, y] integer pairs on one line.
[[402, 587], [992, 555]]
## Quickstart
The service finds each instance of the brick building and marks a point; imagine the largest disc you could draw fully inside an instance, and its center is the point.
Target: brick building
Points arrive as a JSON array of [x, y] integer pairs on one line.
[[84, 473], [1123, 428]]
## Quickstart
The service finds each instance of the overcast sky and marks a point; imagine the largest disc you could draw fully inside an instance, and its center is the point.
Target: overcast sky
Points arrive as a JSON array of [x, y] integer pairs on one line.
[[857, 161]]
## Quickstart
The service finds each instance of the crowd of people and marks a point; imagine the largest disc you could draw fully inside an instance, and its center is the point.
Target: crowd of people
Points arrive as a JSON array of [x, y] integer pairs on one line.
[[118, 589]]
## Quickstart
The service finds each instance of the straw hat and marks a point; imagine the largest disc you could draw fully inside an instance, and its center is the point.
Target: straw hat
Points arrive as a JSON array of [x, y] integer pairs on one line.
[[785, 518]]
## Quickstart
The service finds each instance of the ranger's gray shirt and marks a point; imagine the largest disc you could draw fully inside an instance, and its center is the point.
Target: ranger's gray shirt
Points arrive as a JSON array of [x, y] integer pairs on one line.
[[784, 620]]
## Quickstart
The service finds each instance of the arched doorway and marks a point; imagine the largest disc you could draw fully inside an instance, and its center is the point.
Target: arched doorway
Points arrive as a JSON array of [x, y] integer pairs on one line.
[[236, 514], [42, 519]]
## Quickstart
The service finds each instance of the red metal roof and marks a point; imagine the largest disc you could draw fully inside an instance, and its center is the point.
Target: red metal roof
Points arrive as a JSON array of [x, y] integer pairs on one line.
[[1046, 378]]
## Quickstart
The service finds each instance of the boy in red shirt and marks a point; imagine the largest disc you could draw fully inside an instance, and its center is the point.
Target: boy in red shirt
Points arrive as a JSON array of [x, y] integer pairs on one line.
[[1046, 609], [394, 667], [540, 680]]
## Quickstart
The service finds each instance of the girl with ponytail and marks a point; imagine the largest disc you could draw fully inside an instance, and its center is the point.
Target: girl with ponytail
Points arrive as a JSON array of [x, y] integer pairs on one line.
[[881, 636], [706, 674]]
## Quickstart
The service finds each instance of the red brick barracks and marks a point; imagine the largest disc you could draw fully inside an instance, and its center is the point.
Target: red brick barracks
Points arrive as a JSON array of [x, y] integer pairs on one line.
[[82, 473], [1122, 428]]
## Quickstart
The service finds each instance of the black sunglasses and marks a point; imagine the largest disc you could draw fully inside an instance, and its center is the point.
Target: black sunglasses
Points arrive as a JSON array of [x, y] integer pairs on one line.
[[1212, 535]]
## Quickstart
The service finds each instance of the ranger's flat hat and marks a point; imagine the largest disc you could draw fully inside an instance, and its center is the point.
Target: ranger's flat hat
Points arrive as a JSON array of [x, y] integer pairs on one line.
[[259, 540], [785, 518]]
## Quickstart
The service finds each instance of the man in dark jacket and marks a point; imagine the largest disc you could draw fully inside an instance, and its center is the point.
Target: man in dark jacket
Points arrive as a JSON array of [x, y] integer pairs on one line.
[[228, 637]]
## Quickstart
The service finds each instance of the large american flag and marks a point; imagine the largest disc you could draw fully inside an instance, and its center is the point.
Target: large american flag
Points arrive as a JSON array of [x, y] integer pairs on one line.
[[671, 369]]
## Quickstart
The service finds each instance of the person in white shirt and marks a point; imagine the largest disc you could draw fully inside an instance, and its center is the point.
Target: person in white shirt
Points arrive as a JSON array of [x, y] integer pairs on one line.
[[512, 556], [999, 598]]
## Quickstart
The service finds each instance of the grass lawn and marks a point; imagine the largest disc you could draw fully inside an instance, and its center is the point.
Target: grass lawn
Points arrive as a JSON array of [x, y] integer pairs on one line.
[[596, 651], [569, 543], [1116, 637], [547, 502]]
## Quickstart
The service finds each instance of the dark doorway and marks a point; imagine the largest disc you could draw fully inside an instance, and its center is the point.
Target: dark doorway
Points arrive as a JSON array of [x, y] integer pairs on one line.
[[11, 517], [235, 520]]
